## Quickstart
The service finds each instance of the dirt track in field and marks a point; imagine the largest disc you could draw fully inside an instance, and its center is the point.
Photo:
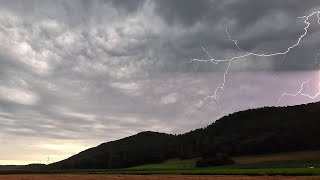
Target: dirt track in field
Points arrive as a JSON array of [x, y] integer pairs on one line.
[[150, 177]]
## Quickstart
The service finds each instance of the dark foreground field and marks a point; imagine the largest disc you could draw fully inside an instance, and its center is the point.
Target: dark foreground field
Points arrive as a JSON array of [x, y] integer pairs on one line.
[[290, 166], [148, 177]]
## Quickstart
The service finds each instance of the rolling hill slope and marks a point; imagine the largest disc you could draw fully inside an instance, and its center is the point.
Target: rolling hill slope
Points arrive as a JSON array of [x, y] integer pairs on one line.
[[255, 131]]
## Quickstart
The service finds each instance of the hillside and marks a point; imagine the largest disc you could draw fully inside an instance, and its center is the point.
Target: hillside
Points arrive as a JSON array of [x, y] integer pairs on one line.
[[255, 131], [144, 147]]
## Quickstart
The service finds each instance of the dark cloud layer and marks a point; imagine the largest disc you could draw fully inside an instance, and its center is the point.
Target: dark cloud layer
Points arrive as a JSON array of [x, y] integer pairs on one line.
[[77, 73]]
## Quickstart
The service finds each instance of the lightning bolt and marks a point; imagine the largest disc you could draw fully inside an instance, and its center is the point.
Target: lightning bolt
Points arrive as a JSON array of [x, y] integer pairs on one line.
[[300, 93], [302, 85], [248, 54]]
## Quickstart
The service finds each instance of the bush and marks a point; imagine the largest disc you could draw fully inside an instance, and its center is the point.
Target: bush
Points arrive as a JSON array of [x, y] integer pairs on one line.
[[217, 160]]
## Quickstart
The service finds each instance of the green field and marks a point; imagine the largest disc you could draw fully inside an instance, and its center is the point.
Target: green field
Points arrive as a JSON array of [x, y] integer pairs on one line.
[[299, 159], [171, 164], [202, 171], [289, 164]]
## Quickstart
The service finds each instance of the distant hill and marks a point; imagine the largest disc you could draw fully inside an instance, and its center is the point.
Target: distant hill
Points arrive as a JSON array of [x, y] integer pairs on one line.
[[144, 147], [23, 167], [9, 167], [254, 131]]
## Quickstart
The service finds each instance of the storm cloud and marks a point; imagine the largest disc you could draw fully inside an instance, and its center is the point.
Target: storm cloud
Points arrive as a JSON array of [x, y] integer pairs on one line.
[[78, 73]]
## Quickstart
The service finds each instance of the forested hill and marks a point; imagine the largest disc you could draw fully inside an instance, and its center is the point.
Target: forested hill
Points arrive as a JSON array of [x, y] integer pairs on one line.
[[263, 130]]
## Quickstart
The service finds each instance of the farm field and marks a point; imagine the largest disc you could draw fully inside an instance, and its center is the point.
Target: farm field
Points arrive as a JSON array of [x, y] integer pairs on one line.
[[298, 159], [287, 156], [284, 165], [149, 177], [196, 171]]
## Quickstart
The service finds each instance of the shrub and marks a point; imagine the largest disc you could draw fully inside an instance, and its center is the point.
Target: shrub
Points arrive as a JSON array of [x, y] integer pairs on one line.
[[217, 160]]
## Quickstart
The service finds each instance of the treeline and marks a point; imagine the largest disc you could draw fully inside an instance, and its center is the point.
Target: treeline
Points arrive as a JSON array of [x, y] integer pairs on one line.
[[9, 167], [256, 131], [23, 167]]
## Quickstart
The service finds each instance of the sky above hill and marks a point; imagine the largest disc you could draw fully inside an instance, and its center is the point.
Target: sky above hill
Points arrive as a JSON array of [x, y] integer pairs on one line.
[[75, 74]]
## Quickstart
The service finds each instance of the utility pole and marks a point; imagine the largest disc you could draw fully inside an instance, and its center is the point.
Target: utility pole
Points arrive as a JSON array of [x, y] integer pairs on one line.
[[48, 160]]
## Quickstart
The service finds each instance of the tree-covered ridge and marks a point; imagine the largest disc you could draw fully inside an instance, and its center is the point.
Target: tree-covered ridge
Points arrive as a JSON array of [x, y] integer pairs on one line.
[[254, 131]]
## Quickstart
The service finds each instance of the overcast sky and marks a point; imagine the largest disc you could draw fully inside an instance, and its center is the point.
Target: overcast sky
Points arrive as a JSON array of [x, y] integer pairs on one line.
[[75, 74]]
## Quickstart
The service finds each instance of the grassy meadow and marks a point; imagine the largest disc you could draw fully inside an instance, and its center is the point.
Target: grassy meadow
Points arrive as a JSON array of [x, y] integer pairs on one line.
[[289, 164]]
